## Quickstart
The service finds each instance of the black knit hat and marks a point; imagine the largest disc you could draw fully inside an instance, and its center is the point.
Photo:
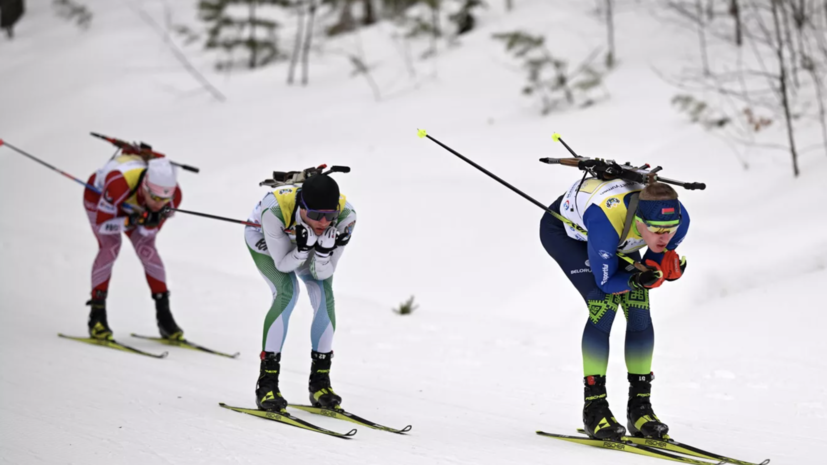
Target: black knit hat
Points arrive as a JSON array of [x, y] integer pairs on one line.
[[320, 192]]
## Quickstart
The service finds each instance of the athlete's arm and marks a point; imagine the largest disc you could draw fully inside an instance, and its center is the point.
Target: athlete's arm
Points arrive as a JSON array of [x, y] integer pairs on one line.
[[323, 267], [602, 246], [285, 254]]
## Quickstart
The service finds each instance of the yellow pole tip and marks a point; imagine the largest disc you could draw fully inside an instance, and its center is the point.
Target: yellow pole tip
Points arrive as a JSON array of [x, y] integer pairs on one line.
[[421, 133], [556, 137]]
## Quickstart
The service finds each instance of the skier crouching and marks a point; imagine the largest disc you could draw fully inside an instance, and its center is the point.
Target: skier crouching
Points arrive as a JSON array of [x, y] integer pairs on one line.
[[605, 218], [135, 200], [304, 231]]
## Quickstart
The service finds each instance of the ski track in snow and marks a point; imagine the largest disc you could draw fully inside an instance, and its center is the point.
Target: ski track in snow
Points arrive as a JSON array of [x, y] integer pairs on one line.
[[493, 352]]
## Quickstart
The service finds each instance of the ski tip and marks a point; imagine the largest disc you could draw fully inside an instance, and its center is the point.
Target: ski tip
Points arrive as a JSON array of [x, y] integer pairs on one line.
[[235, 355], [351, 432], [422, 133], [1, 142], [406, 429], [556, 137]]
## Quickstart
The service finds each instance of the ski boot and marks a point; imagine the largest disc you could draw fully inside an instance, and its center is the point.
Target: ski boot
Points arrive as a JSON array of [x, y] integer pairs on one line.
[[163, 316], [598, 420], [321, 394], [98, 327], [268, 396], [642, 420]]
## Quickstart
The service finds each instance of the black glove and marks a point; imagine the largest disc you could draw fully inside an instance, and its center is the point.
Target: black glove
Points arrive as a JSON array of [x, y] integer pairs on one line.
[[342, 240], [648, 279], [152, 219], [134, 219], [147, 218], [305, 238]]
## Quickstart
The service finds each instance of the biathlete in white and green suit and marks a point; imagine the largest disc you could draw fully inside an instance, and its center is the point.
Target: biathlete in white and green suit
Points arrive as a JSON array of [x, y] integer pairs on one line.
[[303, 234]]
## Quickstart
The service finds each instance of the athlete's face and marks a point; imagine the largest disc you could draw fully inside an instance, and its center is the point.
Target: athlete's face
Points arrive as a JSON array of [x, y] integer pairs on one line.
[[656, 242], [319, 227], [153, 203]]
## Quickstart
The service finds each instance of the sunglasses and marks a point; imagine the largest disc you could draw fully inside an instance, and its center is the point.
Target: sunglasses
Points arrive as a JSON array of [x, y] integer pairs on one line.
[[660, 227], [318, 215]]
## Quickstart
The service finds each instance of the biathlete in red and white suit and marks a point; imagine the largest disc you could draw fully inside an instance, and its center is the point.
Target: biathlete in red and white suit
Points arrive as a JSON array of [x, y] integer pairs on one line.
[[134, 199]]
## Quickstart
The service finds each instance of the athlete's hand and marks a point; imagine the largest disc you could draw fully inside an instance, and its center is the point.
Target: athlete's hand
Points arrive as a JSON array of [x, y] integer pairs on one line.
[[651, 278], [672, 265], [305, 238], [327, 242], [152, 219]]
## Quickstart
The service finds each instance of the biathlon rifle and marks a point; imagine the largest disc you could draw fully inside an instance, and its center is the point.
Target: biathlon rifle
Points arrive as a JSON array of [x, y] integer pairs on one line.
[[610, 169], [142, 149], [285, 178]]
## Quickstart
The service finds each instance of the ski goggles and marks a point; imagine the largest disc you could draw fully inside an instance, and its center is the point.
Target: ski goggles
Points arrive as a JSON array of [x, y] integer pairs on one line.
[[660, 227], [318, 215], [157, 198]]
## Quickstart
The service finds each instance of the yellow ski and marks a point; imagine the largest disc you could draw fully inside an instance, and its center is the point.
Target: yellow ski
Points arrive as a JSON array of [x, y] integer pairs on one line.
[[341, 414], [112, 344], [671, 445], [624, 446], [185, 344], [286, 418]]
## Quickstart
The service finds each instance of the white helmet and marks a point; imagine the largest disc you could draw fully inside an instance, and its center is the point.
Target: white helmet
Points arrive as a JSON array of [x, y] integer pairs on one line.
[[160, 178]]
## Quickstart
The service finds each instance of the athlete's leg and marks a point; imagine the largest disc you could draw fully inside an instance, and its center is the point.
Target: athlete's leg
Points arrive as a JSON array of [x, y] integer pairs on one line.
[[324, 312], [283, 286]]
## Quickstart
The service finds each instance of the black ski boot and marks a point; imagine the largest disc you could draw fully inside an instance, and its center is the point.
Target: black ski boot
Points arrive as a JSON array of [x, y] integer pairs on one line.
[[163, 316], [98, 327], [321, 394], [598, 420], [268, 396], [642, 420]]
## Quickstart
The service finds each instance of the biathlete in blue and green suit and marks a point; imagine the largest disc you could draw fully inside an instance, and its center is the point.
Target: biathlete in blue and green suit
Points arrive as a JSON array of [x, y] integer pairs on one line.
[[595, 239]]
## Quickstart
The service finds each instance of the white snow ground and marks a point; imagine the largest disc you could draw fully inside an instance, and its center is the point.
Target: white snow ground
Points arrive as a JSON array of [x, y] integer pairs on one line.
[[493, 352]]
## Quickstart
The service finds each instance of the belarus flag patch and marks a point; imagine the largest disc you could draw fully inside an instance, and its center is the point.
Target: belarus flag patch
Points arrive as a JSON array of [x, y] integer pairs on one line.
[[667, 211]]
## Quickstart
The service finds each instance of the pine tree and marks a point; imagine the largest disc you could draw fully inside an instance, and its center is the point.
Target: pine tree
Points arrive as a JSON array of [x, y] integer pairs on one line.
[[240, 24]]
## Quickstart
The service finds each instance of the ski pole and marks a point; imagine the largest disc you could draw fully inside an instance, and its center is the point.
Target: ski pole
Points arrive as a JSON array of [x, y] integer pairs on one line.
[[424, 134], [94, 189], [21, 152], [221, 218]]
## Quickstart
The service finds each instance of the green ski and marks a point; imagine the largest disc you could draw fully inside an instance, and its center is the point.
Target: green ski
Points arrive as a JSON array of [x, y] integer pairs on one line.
[[112, 344], [287, 419], [341, 414]]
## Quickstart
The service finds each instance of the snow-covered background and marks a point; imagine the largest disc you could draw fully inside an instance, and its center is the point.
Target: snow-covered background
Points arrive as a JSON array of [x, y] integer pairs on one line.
[[493, 352]]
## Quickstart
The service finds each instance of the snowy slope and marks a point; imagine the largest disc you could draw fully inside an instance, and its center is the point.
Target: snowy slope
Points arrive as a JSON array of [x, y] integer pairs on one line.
[[493, 352]]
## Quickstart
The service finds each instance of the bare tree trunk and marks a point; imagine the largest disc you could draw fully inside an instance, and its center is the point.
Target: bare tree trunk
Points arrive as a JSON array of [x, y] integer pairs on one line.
[[509, 5], [252, 39], [370, 13], [610, 27], [298, 43], [307, 42], [788, 37], [782, 78], [435, 19], [735, 11], [702, 35]]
